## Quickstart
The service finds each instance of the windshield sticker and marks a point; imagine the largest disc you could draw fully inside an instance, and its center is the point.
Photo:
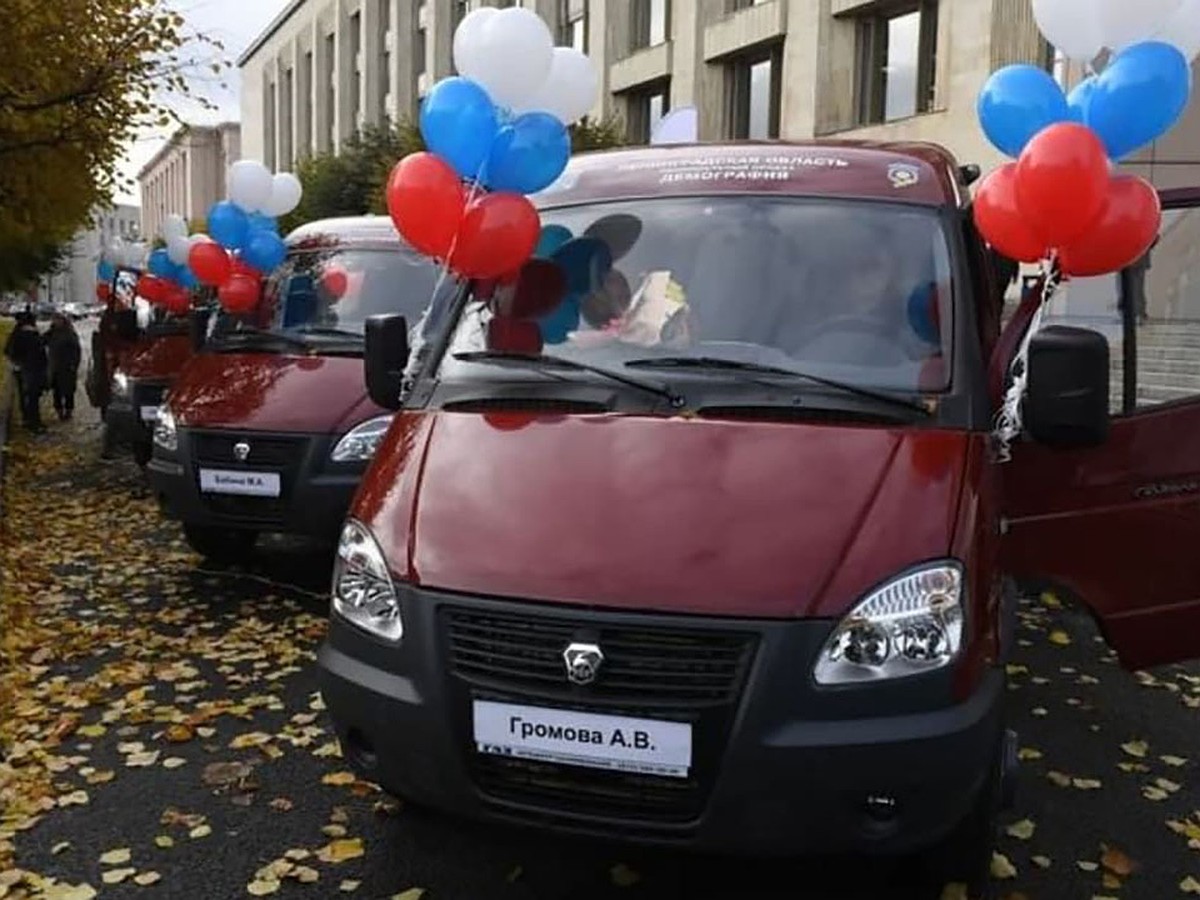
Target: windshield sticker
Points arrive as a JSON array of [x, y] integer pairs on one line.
[[903, 175], [739, 167]]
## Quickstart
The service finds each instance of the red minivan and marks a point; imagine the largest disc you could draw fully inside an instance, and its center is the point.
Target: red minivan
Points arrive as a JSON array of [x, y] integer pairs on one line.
[[730, 561], [268, 427]]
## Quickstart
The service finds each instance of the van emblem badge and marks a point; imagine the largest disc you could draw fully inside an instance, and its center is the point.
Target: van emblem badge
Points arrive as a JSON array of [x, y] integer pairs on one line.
[[583, 662], [241, 451], [903, 175]]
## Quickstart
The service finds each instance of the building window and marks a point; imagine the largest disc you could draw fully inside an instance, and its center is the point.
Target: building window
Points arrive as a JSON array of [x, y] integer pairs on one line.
[[458, 11], [572, 24], [418, 55], [650, 21], [735, 5], [1054, 61], [754, 93], [289, 82], [269, 137], [355, 70], [645, 109], [897, 62], [306, 85], [330, 92]]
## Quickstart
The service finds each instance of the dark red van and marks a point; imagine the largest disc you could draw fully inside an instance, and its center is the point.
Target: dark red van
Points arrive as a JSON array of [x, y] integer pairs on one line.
[[729, 561], [268, 428]]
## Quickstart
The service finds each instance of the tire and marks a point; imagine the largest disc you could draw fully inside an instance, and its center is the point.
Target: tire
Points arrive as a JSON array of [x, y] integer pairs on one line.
[[221, 545]]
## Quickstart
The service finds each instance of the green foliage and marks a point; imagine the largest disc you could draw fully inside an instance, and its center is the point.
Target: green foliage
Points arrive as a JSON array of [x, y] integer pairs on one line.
[[602, 135], [23, 262]]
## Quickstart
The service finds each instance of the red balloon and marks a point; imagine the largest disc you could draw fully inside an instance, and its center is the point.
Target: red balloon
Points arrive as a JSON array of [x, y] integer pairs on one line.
[[498, 234], [103, 291], [335, 282], [175, 299], [426, 200], [1123, 234], [237, 267], [999, 219], [152, 288], [239, 294], [1062, 182], [210, 262]]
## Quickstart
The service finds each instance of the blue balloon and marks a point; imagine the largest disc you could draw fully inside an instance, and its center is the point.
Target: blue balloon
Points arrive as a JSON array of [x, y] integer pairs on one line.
[[459, 124], [264, 251], [529, 154], [552, 237], [585, 261], [160, 263], [263, 222], [1139, 96], [186, 278], [555, 326], [228, 225], [921, 313], [105, 271], [1016, 103], [1079, 98]]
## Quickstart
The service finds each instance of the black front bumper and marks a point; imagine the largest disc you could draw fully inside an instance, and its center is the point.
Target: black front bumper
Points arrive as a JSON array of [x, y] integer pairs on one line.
[[779, 766], [314, 492]]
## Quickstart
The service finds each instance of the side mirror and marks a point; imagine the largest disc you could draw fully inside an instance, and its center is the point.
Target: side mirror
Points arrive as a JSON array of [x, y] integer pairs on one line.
[[1066, 402], [198, 327], [127, 324], [385, 359]]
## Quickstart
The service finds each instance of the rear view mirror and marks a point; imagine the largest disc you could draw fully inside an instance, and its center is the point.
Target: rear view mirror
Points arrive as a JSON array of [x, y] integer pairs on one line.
[[1066, 404], [385, 359], [126, 322]]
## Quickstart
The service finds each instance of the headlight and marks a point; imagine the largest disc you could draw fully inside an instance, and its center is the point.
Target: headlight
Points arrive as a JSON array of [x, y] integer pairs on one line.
[[359, 443], [166, 435], [120, 385], [363, 592], [910, 625]]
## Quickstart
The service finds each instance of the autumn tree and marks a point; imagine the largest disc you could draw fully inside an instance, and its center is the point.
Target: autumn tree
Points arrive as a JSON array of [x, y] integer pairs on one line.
[[79, 80]]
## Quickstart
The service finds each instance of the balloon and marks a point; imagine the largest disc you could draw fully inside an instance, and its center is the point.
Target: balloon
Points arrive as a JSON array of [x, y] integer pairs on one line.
[[103, 291], [552, 237], [459, 124], [923, 315], [557, 325], [1139, 96], [514, 336], [264, 251], [177, 250], [585, 261], [250, 185], [286, 192], [160, 263], [262, 222], [211, 263], [174, 226], [105, 271], [1122, 235], [1125, 22], [540, 287], [176, 301], [1079, 98], [468, 39], [1182, 30], [1016, 103], [335, 282], [427, 202], [528, 154], [498, 234], [607, 302], [239, 294], [620, 231], [679, 126], [570, 89], [512, 56], [1072, 26], [999, 218], [187, 279], [152, 288], [1062, 182], [228, 225]]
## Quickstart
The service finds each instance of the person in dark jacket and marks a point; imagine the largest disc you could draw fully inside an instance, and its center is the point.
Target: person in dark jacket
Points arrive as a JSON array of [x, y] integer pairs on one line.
[[26, 348], [62, 343]]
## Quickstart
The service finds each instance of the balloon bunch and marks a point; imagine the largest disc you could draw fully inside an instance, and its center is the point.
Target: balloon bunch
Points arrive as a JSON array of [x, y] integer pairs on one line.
[[495, 132], [243, 242], [168, 283], [105, 273], [1060, 197]]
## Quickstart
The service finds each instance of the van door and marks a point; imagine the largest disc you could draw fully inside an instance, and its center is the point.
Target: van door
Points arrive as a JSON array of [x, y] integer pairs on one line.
[[1118, 527]]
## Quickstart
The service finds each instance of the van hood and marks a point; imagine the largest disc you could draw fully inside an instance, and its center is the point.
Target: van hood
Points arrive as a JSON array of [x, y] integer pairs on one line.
[[157, 358], [271, 392], [673, 515]]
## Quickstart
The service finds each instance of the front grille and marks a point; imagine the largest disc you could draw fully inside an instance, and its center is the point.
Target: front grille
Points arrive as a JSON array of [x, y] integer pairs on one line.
[[660, 667], [216, 449], [148, 395]]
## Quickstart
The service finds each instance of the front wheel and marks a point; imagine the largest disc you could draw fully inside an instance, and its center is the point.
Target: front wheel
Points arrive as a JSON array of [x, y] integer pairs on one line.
[[221, 545]]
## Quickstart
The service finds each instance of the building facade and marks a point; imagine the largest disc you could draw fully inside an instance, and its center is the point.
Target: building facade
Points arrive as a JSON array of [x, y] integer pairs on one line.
[[187, 175], [75, 282]]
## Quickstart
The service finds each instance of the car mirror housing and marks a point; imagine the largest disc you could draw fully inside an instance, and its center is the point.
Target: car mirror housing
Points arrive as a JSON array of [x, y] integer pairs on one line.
[[1067, 399], [385, 358]]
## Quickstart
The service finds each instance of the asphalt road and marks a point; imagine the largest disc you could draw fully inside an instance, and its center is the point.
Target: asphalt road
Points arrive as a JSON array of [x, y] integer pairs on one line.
[[161, 713]]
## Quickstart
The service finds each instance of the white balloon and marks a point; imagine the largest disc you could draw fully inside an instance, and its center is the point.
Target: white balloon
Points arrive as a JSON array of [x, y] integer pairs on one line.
[[513, 56], [1183, 29], [250, 184], [177, 250], [569, 91], [199, 238], [1073, 26], [286, 192], [1125, 22], [175, 225], [468, 38]]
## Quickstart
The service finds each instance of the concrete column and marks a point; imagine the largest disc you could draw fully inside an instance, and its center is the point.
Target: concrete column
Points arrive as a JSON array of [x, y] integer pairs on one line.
[[345, 71], [439, 33], [404, 79], [372, 53], [801, 68]]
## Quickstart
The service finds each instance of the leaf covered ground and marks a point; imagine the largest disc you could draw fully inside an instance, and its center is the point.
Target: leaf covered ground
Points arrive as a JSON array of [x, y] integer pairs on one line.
[[161, 735]]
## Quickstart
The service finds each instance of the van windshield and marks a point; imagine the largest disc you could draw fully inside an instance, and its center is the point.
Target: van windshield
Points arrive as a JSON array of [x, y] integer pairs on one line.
[[855, 291]]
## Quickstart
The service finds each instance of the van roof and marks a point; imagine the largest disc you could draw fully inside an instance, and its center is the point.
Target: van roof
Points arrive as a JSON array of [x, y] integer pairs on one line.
[[919, 173], [358, 231]]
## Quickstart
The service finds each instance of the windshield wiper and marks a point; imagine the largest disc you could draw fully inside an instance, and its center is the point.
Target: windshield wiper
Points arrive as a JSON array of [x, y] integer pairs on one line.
[[735, 365], [539, 361], [322, 331], [263, 336]]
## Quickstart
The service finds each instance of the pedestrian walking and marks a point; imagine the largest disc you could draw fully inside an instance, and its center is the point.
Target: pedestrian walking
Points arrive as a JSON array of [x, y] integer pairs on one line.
[[26, 349], [65, 353]]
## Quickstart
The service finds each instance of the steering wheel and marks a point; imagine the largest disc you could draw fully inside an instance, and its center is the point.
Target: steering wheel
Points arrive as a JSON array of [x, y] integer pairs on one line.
[[880, 349]]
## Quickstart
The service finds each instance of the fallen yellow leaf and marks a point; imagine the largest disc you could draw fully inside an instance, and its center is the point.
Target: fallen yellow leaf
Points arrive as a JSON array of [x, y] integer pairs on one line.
[[339, 778], [1002, 868], [200, 831], [92, 731], [262, 888], [1022, 830], [1059, 778], [1136, 748], [1086, 784], [410, 894], [1154, 793], [335, 831], [306, 875], [173, 762], [1087, 865], [253, 739], [1167, 785], [348, 886], [341, 850], [1026, 754], [116, 857], [1042, 862], [116, 876], [1050, 600], [179, 732], [74, 798], [164, 841], [1176, 761], [147, 878], [1190, 885], [59, 847], [69, 892], [1111, 881]]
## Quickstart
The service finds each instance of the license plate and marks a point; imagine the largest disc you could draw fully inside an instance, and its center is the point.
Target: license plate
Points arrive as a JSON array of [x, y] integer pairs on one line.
[[621, 743], [149, 413], [251, 484]]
